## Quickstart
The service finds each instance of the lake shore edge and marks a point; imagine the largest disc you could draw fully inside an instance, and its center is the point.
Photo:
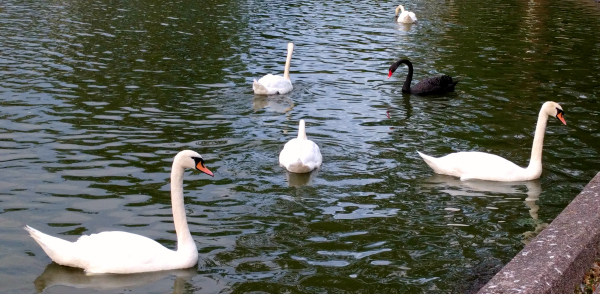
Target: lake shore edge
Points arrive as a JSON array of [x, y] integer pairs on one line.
[[557, 259]]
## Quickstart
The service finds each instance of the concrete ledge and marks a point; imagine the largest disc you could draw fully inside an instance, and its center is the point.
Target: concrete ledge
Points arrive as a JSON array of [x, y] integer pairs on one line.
[[557, 259]]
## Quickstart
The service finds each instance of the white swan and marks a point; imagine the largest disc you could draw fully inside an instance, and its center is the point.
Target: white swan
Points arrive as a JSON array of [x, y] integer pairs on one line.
[[405, 16], [125, 253], [485, 166], [272, 84], [300, 155]]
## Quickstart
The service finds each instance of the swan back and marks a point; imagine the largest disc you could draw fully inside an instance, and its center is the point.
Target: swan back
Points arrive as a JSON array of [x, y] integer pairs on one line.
[[272, 85], [300, 155], [477, 165], [436, 85]]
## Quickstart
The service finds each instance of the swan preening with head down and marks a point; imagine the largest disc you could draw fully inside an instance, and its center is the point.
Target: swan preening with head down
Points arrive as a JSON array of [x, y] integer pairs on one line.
[[405, 16], [300, 155], [272, 84], [485, 166], [117, 252], [429, 86]]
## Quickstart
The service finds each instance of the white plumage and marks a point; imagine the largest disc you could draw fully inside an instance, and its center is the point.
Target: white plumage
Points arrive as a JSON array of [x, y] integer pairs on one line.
[[124, 253], [405, 16], [274, 84], [300, 155], [485, 166]]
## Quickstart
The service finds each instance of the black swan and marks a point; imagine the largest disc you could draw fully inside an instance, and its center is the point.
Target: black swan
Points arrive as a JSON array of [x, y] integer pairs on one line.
[[429, 86]]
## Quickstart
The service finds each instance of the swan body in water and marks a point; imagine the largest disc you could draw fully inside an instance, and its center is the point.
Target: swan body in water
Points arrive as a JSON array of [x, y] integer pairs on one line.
[[490, 167], [430, 86], [300, 155], [275, 84], [405, 16], [117, 252]]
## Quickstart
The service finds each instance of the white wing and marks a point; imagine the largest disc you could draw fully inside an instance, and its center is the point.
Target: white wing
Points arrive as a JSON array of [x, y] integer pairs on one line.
[[300, 156], [271, 85]]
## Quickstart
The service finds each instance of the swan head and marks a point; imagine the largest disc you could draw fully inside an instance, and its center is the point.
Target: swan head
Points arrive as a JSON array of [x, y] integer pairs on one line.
[[554, 109], [192, 160], [395, 66], [400, 7]]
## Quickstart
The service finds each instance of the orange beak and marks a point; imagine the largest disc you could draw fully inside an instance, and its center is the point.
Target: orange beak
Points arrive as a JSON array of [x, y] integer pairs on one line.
[[204, 169], [561, 117]]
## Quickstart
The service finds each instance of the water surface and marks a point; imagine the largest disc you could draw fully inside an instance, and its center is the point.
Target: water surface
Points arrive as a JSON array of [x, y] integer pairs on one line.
[[96, 97]]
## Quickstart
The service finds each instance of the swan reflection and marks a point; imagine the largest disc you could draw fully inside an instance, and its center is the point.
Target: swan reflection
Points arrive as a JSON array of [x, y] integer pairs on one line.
[[278, 103], [58, 275], [482, 188], [530, 201], [477, 188], [404, 27], [299, 180]]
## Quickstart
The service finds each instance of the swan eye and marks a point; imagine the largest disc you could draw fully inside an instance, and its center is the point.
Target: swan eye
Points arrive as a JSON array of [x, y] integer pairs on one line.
[[198, 160], [201, 167]]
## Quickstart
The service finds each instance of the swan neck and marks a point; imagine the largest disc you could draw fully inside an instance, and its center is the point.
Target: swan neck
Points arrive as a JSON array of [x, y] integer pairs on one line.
[[184, 237], [538, 141], [302, 131], [406, 86], [288, 60]]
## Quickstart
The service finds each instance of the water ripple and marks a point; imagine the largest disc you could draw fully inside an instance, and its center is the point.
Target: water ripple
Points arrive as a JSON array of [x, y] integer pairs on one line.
[[97, 97]]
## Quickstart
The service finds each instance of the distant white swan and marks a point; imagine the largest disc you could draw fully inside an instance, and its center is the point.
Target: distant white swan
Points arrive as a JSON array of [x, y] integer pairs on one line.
[[272, 84], [485, 166], [405, 16], [119, 252], [300, 155]]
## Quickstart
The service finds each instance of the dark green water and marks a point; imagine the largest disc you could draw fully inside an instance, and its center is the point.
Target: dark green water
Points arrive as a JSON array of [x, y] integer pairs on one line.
[[96, 97]]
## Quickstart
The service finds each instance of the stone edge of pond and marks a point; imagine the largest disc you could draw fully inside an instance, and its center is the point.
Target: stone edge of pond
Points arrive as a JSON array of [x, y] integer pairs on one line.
[[556, 260]]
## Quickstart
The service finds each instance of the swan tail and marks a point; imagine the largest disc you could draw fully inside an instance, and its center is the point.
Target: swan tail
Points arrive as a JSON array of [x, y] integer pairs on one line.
[[425, 156], [454, 82], [259, 89], [430, 160], [299, 167], [413, 16], [448, 83], [57, 249]]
